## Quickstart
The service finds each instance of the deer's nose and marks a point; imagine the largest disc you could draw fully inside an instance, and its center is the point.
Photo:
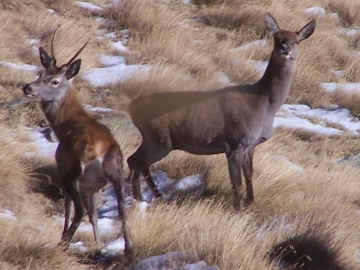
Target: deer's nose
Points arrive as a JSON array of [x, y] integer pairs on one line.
[[27, 89], [285, 49]]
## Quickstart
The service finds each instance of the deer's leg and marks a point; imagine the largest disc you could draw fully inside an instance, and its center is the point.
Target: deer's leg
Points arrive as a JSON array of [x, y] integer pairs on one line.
[[141, 160], [247, 166], [90, 202], [134, 166], [68, 211], [234, 159], [112, 167], [72, 189], [150, 182], [152, 155]]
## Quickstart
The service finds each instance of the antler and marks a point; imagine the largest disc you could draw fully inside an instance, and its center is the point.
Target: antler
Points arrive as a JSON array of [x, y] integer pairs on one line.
[[52, 46], [53, 53], [76, 54]]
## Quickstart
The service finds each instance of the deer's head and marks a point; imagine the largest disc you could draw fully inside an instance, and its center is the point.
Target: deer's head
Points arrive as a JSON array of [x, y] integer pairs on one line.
[[286, 43], [53, 81]]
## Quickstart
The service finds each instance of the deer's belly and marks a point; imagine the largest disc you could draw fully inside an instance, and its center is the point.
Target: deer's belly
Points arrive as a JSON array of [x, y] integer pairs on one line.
[[211, 148]]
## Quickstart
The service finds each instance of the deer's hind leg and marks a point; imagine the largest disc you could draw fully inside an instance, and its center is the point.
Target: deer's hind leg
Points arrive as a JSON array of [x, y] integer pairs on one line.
[[72, 188], [146, 155], [112, 168], [91, 202], [248, 169], [68, 204], [235, 159]]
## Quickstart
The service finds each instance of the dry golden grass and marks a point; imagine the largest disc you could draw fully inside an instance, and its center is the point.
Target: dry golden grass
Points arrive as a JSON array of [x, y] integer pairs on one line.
[[199, 40]]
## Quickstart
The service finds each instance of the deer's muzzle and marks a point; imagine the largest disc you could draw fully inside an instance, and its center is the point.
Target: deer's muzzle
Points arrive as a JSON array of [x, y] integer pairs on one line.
[[27, 89], [285, 49]]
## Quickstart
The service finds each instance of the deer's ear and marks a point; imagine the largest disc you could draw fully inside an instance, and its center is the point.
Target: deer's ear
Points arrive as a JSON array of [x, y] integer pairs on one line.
[[44, 58], [73, 69], [271, 24], [307, 30]]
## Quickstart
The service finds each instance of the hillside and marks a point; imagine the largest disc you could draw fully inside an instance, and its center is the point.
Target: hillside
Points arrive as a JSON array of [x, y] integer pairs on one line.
[[306, 176]]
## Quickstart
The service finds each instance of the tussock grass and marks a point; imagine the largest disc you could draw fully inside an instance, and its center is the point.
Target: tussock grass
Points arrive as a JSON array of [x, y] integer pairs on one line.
[[347, 11], [182, 41]]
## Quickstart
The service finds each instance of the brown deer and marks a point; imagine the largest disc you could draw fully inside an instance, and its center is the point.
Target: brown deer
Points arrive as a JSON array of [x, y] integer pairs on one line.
[[232, 120], [87, 156]]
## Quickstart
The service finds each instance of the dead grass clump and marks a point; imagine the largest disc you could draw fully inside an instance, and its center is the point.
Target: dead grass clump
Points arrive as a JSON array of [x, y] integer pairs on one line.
[[347, 10], [350, 101], [352, 70], [230, 18], [24, 247], [9, 5]]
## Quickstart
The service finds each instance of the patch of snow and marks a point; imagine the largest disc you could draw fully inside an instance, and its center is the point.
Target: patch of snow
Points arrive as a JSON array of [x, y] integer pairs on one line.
[[7, 214], [33, 41], [44, 147], [334, 16], [338, 73], [79, 246], [114, 247], [106, 226], [223, 78], [125, 36], [114, 4], [120, 47], [111, 35], [88, 6], [98, 109], [316, 12], [189, 183], [142, 206], [300, 123], [22, 67], [339, 116], [51, 11], [357, 256], [103, 77], [111, 60], [346, 87], [199, 266], [350, 32]]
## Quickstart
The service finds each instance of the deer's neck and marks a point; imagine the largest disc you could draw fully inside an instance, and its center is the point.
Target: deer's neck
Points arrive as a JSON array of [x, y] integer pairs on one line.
[[64, 114], [276, 81]]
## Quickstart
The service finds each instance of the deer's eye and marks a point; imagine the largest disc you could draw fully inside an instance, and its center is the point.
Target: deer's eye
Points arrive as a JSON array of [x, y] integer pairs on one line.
[[298, 41], [54, 82]]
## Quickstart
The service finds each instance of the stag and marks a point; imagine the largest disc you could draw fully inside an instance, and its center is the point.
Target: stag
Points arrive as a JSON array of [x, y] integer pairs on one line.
[[231, 120], [88, 156]]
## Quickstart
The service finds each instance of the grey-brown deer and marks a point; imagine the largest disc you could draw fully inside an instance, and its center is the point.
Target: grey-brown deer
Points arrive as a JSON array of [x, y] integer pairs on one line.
[[88, 156], [232, 120]]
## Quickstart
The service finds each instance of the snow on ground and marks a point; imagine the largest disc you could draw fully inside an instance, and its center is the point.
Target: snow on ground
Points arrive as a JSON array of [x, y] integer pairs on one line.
[[348, 88], [7, 214], [111, 60], [107, 76], [21, 67], [88, 6], [350, 32], [316, 12], [302, 117], [44, 147]]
